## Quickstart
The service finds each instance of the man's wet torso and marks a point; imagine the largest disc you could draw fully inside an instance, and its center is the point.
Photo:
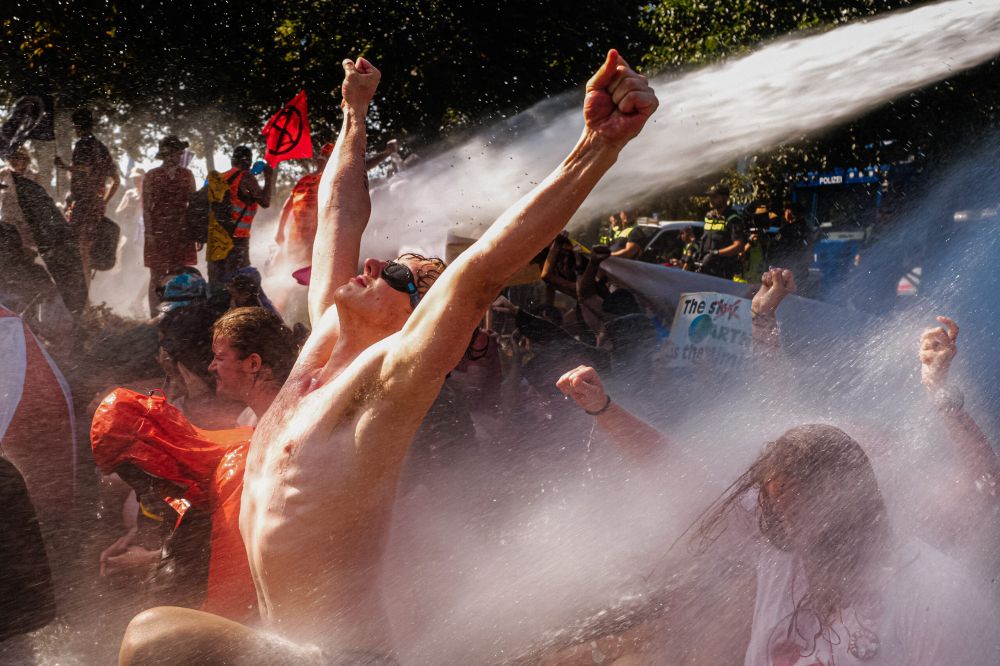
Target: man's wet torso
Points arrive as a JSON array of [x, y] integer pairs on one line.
[[320, 482]]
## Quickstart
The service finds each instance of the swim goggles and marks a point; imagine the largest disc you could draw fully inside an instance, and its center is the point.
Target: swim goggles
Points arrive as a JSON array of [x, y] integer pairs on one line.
[[400, 277]]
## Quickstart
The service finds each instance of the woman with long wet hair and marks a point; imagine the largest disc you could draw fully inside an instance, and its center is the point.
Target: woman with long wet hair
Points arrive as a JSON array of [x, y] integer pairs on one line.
[[825, 552], [835, 584]]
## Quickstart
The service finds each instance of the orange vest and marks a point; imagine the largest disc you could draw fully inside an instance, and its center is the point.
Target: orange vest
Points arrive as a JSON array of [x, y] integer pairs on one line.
[[243, 213], [305, 201]]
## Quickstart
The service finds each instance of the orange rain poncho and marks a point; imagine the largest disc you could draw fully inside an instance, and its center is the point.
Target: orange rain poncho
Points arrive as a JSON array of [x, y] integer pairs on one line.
[[153, 435]]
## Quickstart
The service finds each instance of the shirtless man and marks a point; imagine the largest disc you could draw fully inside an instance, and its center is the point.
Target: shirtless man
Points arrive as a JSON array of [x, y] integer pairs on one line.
[[324, 461]]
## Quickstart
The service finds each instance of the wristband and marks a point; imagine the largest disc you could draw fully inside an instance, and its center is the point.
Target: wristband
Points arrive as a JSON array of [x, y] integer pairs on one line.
[[603, 409]]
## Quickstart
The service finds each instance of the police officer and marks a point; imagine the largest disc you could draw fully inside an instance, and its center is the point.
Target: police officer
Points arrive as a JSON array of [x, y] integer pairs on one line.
[[608, 232], [690, 250], [628, 239], [724, 238], [754, 260]]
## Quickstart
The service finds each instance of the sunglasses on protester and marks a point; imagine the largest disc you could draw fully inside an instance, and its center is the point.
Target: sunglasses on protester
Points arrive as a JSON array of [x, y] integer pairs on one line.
[[400, 277]]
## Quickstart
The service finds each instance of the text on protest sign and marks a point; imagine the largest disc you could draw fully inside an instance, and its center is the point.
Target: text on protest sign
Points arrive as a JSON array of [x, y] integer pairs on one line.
[[710, 329]]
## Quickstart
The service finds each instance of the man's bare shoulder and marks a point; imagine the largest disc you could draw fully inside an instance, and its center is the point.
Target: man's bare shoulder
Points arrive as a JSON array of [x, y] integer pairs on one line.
[[316, 368], [249, 185], [437, 333]]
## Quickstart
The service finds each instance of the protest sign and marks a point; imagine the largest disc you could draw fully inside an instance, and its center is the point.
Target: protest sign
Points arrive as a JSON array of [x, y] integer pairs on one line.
[[710, 329]]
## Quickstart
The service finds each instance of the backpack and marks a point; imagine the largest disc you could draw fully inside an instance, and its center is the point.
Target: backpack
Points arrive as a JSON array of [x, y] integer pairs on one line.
[[104, 250], [208, 200]]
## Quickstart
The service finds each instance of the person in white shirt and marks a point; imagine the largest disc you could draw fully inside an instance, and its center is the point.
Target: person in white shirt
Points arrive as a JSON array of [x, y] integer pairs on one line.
[[836, 585]]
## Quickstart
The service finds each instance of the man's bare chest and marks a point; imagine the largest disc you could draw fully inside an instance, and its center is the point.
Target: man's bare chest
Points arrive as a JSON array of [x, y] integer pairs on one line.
[[310, 437]]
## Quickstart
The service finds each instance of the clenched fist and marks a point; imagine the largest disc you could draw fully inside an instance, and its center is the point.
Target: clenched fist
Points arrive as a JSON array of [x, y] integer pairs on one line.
[[775, 284], [360, 81], [938, 347], [619, 101], [584, 386]]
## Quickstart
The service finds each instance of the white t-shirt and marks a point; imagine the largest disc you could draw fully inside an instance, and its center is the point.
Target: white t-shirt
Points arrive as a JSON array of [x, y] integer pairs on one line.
[[930, 614]]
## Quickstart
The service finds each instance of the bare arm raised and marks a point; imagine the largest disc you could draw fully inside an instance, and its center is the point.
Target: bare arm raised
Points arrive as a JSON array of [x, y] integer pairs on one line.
[[344, 201], [775, 284], [630, 434], [618, 103], [978, 466]]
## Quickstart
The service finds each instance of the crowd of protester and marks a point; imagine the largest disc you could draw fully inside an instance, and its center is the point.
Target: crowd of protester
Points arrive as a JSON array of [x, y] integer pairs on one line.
[[568, 353]]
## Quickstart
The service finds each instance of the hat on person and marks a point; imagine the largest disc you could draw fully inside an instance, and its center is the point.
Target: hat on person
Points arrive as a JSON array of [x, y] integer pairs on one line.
[[327, 149], [720, 189], [182, 290], [303, 275], [171, 144]]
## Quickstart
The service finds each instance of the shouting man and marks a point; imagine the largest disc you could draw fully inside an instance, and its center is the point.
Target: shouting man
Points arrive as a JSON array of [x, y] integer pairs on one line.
[[325, 459]]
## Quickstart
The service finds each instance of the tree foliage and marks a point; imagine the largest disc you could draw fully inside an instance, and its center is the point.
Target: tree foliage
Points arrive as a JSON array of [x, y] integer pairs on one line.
[[214, 70], [222, 68], [701, 31]]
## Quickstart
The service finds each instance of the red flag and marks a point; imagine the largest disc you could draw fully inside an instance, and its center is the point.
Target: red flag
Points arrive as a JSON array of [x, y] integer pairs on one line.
[[287, 132]]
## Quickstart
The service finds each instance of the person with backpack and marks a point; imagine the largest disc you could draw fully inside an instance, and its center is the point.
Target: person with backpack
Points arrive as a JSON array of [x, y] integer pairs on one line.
[[245, 197], [165, 195], [91, 170]]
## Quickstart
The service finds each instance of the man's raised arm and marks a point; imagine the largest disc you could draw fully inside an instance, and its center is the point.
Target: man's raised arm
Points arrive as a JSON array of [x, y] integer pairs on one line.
[[618, 103], [344, 202]]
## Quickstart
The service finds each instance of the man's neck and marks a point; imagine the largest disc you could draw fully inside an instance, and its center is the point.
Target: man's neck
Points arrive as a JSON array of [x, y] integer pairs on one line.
[[352, 341]]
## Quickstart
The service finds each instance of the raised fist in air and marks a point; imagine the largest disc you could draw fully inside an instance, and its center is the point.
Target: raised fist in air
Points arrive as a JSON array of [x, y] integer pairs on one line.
[[584, 386], [938, 347], [360, 81], [618, 101], [775, 284]]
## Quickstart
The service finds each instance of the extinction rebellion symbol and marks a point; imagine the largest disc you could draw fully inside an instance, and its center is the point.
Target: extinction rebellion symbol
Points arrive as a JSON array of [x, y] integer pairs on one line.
[[286, 131]]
